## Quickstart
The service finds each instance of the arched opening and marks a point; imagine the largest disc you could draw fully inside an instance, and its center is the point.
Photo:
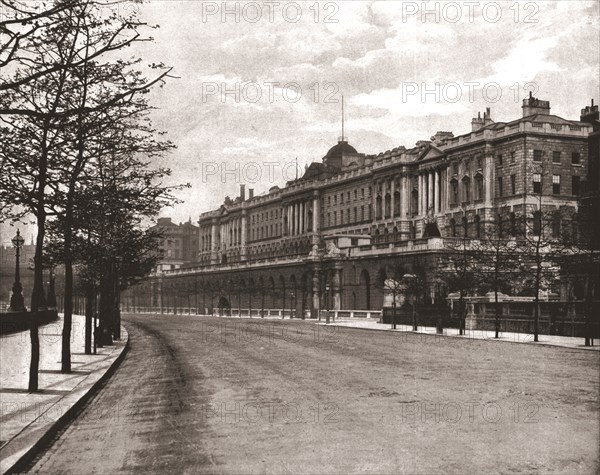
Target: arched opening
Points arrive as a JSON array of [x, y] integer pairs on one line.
[[365, 290], [378, 207], [272, 292], [224, 306]]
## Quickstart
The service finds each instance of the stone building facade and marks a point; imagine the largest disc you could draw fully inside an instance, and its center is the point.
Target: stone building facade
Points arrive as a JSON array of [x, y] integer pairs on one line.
[[322, 240], [178, 246]]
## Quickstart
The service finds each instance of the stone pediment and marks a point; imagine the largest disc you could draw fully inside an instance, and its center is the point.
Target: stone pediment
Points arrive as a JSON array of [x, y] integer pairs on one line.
[[430, 153]]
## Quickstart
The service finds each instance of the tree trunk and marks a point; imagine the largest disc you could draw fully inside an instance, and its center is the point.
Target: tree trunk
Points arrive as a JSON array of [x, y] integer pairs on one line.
[[89, 311]]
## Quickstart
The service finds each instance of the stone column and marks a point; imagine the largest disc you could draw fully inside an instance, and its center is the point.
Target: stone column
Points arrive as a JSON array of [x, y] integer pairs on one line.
[[437, 192], [336, 290], [374, 201], [316, 289], [213, 242], [489, 177], [421, 194], [405, 197], [244, 234], [316, 218], [392, 201]]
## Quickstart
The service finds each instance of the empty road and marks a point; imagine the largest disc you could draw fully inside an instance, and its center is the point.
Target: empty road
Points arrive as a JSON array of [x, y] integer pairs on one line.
[[224, 395]]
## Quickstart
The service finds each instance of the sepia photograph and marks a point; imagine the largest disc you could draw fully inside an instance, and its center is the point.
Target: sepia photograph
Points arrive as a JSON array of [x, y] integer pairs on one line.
[[299, 237]]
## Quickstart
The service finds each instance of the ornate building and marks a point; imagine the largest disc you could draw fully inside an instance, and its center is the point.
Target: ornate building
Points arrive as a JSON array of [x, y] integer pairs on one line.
[[322, 239]]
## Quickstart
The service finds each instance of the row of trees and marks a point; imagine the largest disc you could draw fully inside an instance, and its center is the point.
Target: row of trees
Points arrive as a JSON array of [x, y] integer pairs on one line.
[[524, 253], [77, 142]]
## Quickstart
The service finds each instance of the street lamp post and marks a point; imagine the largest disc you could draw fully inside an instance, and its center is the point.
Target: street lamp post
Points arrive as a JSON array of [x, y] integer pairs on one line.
[[17, 304], [292, 295], [327, 300]]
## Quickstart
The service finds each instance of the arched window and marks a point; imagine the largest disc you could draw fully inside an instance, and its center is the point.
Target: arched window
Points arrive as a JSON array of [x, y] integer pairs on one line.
[[453, 192], [388, 205], [452, 227], [378, 207], [478, 187], [466, 195], [477, 222], [465, 226]]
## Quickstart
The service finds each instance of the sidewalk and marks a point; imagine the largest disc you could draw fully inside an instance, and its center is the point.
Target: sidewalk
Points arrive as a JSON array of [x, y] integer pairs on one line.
[[552, 340], [373, 324], [26, 419]]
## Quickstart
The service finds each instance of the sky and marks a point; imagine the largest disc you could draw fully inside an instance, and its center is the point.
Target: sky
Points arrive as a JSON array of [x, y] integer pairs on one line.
[[260, 83]]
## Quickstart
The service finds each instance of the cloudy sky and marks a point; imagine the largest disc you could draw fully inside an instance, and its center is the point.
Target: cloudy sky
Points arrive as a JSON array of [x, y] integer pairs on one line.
[[261, 83]]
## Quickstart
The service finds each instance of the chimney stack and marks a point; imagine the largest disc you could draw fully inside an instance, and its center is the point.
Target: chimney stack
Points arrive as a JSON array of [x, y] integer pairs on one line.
[[250, 193], [590, 113], [532, 105], [477, 123], [243, 192]]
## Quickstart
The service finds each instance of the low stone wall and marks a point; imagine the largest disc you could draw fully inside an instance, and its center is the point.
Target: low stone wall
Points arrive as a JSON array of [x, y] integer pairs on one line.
[[12, 322]]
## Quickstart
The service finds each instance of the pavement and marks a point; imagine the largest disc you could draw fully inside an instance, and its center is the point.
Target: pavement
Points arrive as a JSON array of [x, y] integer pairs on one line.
[[373, 324], [527, 338], [28, 420]]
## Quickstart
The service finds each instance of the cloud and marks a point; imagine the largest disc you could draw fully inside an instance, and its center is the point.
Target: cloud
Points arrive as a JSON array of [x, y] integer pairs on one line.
[[369, 55]]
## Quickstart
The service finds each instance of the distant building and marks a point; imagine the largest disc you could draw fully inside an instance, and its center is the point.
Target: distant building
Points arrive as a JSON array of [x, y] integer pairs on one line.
[[179, 245]]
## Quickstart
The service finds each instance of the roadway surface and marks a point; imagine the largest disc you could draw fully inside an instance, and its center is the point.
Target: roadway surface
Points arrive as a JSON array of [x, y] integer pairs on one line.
[[208, 395]]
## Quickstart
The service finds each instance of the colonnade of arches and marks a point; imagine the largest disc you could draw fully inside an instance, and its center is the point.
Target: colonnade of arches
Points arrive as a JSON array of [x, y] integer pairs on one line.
[[291, 291]]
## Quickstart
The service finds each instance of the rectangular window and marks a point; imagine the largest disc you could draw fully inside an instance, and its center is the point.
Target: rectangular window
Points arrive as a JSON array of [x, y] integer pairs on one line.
[[537, 183], [355, 214], [513, 184], [499, 160], [575, 185], [513, 156], [555, 157], [362, 193], [500, 187], [341, 197], [335, 218], [575, 158], [537, 223], [362, 213], [537, 155], [556, 184]]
